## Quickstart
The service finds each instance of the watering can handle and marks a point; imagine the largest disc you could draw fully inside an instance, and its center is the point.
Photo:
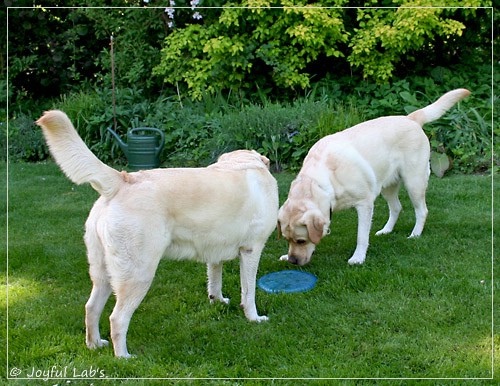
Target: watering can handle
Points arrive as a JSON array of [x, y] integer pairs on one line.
[[158, 131]]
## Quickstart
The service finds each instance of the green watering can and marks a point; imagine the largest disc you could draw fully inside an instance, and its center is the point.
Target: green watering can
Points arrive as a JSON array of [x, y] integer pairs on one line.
[[143, 147]]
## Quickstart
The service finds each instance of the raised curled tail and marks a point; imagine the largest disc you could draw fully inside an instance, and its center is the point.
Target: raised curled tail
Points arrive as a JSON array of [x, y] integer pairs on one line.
[[438, 108], [74, 157]]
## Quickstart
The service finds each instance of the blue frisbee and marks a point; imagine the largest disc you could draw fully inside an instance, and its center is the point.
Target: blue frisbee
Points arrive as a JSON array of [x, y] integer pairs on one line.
[[287, 282]]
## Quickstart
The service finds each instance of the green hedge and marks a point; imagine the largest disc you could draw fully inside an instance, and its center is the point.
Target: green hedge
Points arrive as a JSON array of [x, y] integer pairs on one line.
[[197, 132]]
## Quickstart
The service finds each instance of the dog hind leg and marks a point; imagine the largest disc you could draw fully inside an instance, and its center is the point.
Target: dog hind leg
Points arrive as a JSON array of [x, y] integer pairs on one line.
[[214, 272], [249, 263], [416, 187], [129, 294], [132, 259], [390, 194], [420, 214], [101, 289]]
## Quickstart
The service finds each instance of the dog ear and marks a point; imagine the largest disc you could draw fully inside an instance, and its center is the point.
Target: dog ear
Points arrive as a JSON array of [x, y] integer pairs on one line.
[[316, 224], [266, 161]]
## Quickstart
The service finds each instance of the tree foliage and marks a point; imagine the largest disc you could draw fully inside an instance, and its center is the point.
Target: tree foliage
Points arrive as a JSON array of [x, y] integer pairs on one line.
[[251, 42], [385, 37], [279, 43], [54, 50], [47, 49], [206, 46]]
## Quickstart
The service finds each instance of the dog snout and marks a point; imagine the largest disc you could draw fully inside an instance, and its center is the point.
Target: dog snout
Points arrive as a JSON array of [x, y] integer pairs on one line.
[[292, 259]]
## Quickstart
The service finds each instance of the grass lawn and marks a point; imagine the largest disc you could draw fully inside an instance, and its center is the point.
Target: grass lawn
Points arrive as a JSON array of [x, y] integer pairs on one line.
[[416, 309]]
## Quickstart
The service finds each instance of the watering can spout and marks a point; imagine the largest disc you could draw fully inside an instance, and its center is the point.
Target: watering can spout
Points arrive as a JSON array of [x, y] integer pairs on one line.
[[122, 144]]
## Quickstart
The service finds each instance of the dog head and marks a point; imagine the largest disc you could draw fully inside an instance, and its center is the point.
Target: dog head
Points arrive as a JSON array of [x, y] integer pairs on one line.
[[303, 226]]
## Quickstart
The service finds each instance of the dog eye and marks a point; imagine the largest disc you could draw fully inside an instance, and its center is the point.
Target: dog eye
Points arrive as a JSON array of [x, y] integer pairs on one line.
[[301, 242]]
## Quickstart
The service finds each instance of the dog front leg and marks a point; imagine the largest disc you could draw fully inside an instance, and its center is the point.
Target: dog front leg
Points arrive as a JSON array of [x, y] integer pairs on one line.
[[214, 272], [249, 262], [365, 213]]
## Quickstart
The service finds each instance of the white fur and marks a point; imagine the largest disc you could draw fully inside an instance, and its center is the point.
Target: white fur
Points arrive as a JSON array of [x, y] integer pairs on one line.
[[211, 215], [351, 168]]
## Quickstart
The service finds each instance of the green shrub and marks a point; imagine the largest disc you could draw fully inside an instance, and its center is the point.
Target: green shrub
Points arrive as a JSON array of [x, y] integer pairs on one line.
[[26, 142], [92, 113], [464, 133], [283, 132], [284, 44], [187, 133], [197, 132]]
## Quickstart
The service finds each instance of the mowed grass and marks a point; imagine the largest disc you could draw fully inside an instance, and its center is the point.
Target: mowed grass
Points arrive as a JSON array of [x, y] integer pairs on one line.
[[419, 308]]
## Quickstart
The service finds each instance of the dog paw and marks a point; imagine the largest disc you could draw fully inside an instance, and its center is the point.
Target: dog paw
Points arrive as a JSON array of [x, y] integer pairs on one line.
[[100, 343], [356, 260], [127, 356], [253, 316], [382, 232], [284, 258], [221, 299], [260, 319]]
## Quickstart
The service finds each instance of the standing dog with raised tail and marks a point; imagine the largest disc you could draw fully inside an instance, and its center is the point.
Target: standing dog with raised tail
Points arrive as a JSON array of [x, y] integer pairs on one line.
[[351, 168], [211, 215]]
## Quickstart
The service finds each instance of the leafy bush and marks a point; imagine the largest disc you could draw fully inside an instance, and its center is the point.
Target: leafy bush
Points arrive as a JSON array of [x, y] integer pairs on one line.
[[131, 28], [386, 36], [56, 57], [92, 113], [464, 133], [26, 142], [285, 44], [71, 46], [284, 132], [197, 132], [232, 49]]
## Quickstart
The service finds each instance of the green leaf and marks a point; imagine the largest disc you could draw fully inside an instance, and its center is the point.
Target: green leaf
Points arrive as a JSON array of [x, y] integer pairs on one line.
[[439, 163], [408, 97]]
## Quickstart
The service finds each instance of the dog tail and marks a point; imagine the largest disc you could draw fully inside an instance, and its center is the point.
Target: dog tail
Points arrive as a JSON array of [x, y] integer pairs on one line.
[[74, 157], [438, 108]]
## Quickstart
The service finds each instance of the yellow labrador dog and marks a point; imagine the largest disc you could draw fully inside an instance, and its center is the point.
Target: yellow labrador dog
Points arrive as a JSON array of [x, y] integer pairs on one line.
[[351, 168], [211, 215]]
